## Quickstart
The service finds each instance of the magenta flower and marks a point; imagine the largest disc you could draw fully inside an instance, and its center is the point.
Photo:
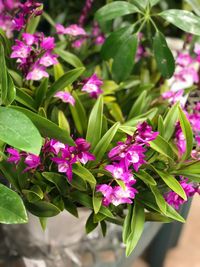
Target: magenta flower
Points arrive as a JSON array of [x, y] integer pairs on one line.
[[119, 172], [145, 134], [116, 195], [48, 43], [73, 30], [33, 161], [175, 200], [180, 140], [48, 59], [14, 155], [29, 39], [66, 97], [64, 166], [184, 59], [135, 157], [20, 50], [55, 146], [82, 151], [37, 73], [92, 86]]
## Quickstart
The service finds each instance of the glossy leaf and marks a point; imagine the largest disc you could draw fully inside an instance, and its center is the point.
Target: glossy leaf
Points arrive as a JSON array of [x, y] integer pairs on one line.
[[163, 55], [114, 10], [34, 194], [18, 131], [46, 127], [157, 217], [25, 99], [145, 177], [114, 41], [60, 181], [65, 80], [90, 225], [42, 209], [70, 207], [95, 123], [97, 201], [159, 199], [12, 210], [183, 19], [170, 121], [85, 174], [127, 224], [125, 58], [187, 131]]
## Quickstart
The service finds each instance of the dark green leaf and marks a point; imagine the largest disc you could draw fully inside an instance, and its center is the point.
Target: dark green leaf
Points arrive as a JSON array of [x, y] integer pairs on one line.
[[159, 199], [70, 207], [42, 209], [114, 10], [40, 92], [34, 194], [114, 41], [12, 210], [125, 58], [157, 217], [3, 76], [18, 131], [60, 181], [85, 174], [145, 177], [11, 92], [69, 58], [103, 227], [127, 224], [90, 225], [183, 19], [25, 99], [163, 55]]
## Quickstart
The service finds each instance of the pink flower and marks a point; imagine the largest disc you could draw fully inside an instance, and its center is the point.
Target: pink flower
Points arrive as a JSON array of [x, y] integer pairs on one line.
[[180, 140], [175, 200], [14, 155], [119, 171], [145, 134], [92, 86], [29, 38], [73, 30], [56, 146], [48, 59], [78, 43], [184, 59], [37, 73], [66, 97], [33, 161], [48, 43], [20, 50], [64, 166], [82, 151]]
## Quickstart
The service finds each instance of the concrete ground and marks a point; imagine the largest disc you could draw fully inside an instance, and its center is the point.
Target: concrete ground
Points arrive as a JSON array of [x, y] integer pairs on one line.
[[186, 254]]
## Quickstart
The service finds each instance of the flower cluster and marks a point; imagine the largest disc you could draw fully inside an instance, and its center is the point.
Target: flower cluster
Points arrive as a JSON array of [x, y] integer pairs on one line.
[[175, 200], [61, 155], [14, 15], [126, 157], [93, 86], [34, 54], [186, 75]]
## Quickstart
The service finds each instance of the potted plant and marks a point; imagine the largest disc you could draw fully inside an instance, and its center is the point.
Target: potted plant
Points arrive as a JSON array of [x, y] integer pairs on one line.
[[96, 113]]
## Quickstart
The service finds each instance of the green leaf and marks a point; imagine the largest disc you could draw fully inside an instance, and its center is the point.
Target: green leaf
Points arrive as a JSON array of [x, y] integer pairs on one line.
[[11, 93], [97, 201], [146, 178], [195, 4], [191, 171], [125, 58], [103, 228], [104, 143], [34, 194], [172, 183], [138, 106], [65, 80], [18, 131], [12, 210], [163, 55], [79, 115], [40, 92], [69, 58], [60, 181], [114, 10], [90, 225], [160, 145], [172, 213], [70, 207], [3, 76], [127, 224], [114, 41], [137, 226], [25, 99], [159, 199], [42, 209], [157, 217], [161, 126], [187, 131], [33, 22], [85, 174], [63, 122], [148, 115], [47, 128], [170, 121], [95, 123], [183, 19]]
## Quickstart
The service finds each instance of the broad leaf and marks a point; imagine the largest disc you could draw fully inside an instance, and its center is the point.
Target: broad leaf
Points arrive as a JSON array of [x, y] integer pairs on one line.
[[125, 58], [18, 131], [58, 180], [42, 209], [195, 4], [12, 210], [114, 10], [46, 127], [85, 174], [90, 225], [163, 55], [183, 19]]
